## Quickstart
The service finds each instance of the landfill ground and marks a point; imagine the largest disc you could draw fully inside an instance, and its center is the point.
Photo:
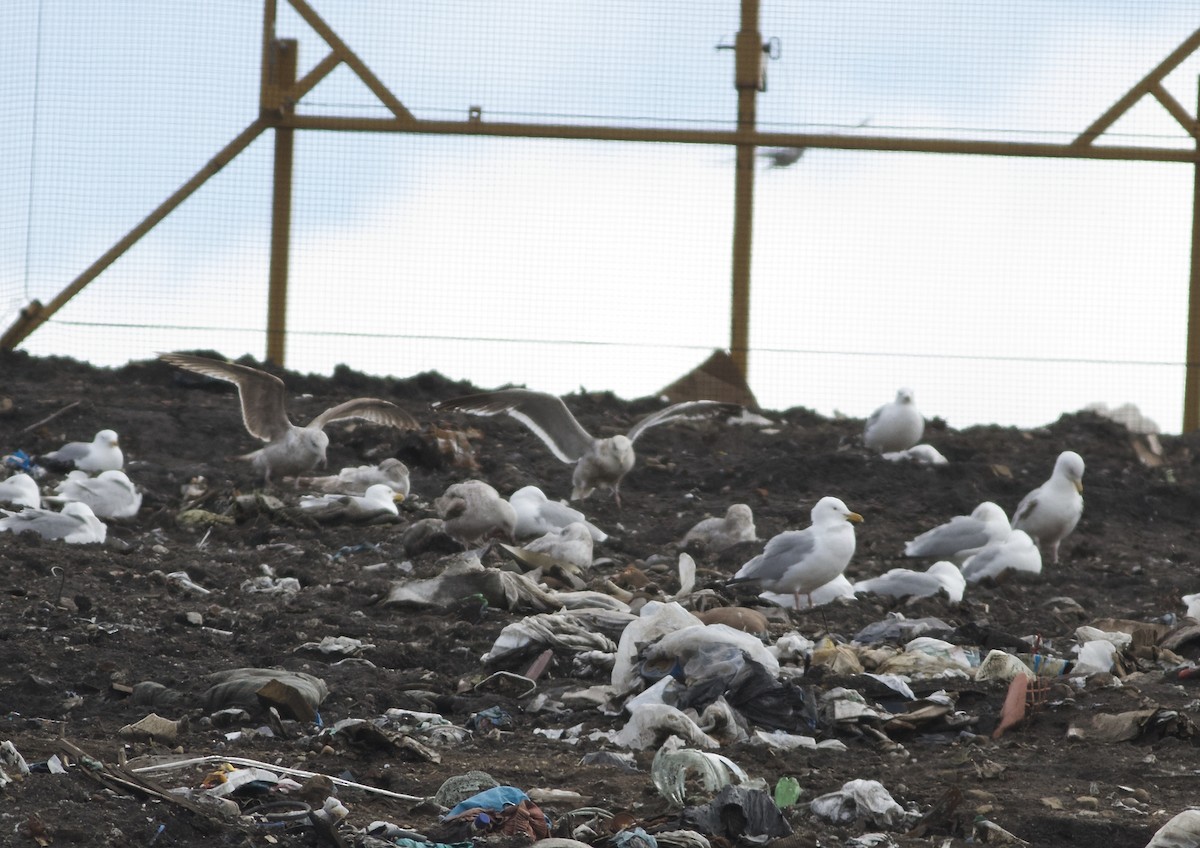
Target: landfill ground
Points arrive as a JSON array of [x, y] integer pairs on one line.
[[80, 625]]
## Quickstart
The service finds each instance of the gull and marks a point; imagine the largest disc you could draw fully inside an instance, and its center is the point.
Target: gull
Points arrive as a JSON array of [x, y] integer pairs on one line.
[[109, 495], [355, 481], [799, 561], [571, 544], [895, 426], [538, 515], [378, 501], [783, 157], [290, 450], [962, 535], [920, 454], [1050, 512], [473, 512], [942, 576], [75, 525], [838, 587], [1017, 552], [598, 462], [717, 534], [102, 453], [20, 490]]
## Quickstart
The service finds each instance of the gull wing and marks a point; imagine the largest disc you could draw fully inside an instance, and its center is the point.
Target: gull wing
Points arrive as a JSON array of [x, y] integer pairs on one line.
[[687, 409], [48, 524], [546, 415], [900, 583], [1025, 508], [69, 452], [263, 395], [958, 534], [368, 409], [780, 554]]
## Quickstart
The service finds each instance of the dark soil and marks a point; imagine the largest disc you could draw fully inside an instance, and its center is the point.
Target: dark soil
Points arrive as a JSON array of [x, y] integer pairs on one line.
[[79, 624]]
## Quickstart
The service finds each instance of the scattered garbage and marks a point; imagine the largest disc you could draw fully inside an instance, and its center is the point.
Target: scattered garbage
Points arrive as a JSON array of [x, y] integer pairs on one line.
[[864, 801]]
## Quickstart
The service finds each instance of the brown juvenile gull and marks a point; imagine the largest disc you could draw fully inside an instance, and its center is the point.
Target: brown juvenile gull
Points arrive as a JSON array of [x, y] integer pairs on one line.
[[538, 515], [799, 561], [717, 534], [599, 463], [290, 450], [102, 453], [20, 490], [111, 494], [473, 512], [962, 535], [75, 525], [1050, 512], [895, 426], [355, 481]]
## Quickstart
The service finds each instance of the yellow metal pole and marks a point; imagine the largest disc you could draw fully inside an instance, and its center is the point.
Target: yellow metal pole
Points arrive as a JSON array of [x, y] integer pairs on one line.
[[36, 314], [748, 77], [1191, 379], [280, 103]]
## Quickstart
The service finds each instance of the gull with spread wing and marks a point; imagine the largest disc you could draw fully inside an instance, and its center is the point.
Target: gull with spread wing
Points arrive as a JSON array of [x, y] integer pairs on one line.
[[290, 450], [599, 463]]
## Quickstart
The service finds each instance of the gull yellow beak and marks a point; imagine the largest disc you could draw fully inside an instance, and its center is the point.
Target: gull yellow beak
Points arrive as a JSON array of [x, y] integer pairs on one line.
[[398, 497], [855, 518], [1079, 486]]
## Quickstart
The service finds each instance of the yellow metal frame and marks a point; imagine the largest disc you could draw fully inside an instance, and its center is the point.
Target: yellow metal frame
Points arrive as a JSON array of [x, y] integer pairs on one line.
[[280, 91]]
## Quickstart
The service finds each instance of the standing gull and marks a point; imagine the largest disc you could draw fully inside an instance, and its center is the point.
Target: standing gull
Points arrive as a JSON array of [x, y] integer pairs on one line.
[[20, 490], [962, 535], [102, 453], [538, 515], [75, 525], [895, 426], [799, 561], [717, 534], [290, 450], [598, 462], [1050, 512]]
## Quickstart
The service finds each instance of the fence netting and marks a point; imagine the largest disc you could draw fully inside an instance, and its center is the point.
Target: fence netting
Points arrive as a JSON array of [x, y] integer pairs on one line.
[[1000, 289]]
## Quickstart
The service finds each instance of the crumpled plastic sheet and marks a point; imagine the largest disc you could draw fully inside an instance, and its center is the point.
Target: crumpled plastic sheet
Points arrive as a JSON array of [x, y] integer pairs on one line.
[[739, 813], [238, 687], [859, 800], [673, 763], [754, 692], [655, 620], [650, 722], [896, 628], [554, 630], [687, 642], [466, 576], [1182, 831]]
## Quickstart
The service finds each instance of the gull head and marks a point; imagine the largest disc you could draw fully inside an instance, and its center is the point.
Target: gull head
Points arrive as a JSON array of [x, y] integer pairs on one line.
[[831, 510], [107, 438], [1070, 465]]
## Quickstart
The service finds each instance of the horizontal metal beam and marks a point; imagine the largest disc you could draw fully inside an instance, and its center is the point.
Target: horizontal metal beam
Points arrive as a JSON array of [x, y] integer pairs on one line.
[[760, 139]]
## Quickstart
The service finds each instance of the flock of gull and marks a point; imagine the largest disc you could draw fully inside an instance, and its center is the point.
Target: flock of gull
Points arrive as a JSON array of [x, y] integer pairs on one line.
[[798, 568]]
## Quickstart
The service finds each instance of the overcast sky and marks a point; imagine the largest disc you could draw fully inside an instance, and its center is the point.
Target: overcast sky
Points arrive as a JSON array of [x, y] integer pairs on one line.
[[1000, 290]]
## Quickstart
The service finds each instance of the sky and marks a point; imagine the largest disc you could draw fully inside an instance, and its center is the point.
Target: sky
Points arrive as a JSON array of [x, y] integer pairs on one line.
[[1000, 290]]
